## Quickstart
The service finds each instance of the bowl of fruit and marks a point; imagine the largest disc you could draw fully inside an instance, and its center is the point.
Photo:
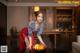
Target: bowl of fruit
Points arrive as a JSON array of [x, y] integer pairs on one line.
[[39, 47]]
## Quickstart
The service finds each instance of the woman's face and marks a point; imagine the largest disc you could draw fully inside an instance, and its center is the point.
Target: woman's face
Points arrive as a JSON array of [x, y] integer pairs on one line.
[[40, 17]]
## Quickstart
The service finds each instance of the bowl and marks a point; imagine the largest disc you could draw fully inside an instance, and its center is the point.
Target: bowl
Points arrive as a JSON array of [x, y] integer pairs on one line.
[[39, 47]]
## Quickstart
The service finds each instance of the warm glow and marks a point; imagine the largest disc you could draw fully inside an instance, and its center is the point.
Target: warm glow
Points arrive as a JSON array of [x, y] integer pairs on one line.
[[69, 2], [39, 47], [36, 8]]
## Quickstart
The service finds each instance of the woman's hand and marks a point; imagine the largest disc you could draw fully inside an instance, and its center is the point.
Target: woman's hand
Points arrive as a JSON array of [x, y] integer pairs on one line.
[[44, 44], [41, 40], [30, 47]]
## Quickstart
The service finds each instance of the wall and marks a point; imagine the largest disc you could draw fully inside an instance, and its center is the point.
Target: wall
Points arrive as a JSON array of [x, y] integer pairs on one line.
[[17, 16], [50, 18]]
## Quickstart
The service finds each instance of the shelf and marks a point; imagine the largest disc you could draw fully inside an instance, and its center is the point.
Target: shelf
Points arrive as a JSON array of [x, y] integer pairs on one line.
[[64, 11], [64, 19], [62, 7], [54, 31], [63, 15]]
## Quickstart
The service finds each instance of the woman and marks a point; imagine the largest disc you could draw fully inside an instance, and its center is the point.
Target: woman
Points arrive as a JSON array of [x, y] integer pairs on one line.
[[36, 26]]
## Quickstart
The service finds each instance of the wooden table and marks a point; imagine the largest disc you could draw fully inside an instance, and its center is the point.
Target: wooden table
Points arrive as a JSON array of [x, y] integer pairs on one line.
[[54, 33]]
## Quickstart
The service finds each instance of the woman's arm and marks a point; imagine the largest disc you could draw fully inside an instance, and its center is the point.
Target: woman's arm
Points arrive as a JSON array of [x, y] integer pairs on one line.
[[39, 35], [30, 42], [41, 40], [26, 41], [31, 28]]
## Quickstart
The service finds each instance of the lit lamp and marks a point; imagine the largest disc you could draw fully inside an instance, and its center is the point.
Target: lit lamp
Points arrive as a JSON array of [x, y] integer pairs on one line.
[[36, 8]]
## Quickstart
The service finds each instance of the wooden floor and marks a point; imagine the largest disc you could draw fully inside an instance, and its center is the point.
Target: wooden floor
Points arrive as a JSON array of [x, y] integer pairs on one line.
[[49, 51]]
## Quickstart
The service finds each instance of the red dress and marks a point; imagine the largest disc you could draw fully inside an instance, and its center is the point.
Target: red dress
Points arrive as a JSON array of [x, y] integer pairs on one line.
[[22, 44]]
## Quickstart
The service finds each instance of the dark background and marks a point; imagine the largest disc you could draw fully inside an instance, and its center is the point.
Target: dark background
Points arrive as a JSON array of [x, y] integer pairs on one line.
[[3, 24]]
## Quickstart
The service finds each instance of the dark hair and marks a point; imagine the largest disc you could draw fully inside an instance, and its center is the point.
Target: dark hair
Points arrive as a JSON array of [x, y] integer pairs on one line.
[[36, 14]]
